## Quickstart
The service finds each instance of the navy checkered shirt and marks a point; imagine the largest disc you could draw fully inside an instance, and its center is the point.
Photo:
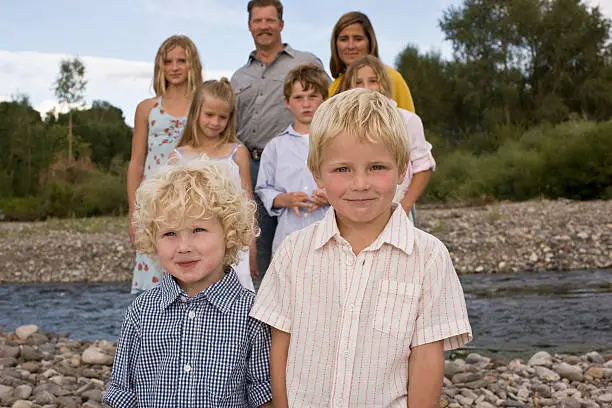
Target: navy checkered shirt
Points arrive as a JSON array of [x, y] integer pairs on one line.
[[201, 351]]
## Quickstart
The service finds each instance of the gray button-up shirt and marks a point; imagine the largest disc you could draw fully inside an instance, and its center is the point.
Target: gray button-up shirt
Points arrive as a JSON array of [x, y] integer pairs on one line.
[[261, 111]]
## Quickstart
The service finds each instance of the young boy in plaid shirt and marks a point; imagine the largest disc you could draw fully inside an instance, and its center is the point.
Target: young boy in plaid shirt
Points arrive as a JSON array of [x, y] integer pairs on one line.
[[189, 342]]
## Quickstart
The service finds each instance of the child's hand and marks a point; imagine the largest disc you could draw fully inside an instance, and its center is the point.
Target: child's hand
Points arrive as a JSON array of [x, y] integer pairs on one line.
[[294, 201], [320, 199]]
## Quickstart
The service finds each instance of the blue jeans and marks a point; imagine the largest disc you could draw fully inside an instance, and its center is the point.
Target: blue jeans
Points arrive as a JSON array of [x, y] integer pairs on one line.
[[267, 226]]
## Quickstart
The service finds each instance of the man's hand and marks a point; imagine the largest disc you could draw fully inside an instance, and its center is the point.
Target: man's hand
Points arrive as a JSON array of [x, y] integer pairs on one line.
[[295, 201]]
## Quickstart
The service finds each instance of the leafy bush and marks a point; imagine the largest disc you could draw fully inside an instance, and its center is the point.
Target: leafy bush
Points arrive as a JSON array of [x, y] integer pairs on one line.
[[22, 209], [570, 160]]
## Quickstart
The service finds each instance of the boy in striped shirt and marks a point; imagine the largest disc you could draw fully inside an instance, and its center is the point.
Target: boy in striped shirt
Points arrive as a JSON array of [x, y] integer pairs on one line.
[[362, 304]]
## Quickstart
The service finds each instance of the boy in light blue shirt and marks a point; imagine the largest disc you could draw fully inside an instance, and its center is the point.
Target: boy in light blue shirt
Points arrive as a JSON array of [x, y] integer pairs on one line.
[[284, 183]]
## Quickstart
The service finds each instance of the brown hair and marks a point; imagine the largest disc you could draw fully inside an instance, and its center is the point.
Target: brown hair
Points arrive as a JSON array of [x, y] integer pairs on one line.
[[265, 3], [194, 77], [336, 66], [310, 76], [350, 77], [213, 88]]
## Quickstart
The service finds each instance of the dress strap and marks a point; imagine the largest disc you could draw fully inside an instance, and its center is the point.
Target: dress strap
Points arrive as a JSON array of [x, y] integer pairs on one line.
[[179, 152], [234, 150]]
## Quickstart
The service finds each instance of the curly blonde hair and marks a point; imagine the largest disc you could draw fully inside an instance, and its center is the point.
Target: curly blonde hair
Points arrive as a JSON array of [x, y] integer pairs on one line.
[[201, 188]]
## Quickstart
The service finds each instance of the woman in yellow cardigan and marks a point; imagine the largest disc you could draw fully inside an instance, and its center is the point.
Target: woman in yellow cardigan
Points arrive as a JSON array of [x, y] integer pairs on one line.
[[353, 37]]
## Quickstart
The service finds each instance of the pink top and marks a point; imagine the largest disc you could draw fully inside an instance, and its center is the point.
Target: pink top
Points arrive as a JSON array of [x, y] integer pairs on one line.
[[421, 158]]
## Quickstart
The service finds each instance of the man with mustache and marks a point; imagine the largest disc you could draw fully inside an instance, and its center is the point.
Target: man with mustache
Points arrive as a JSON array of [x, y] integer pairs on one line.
[[261, 111]]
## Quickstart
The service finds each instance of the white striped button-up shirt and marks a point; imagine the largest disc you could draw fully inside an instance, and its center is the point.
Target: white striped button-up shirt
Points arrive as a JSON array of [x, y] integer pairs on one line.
[[353, 319]]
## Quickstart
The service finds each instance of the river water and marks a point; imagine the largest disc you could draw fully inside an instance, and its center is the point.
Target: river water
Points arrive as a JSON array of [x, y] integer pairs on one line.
[[511, 314]]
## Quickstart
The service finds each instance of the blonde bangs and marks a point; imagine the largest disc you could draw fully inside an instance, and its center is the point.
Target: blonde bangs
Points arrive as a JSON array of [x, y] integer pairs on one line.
[[364, 114]]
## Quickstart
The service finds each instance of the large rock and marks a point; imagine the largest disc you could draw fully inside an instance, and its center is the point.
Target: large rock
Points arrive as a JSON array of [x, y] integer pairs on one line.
[[23, 391], [595, 357], [572, 373], [547, 374], [22, 404], [23, 332], [541, 358], [28, 353], [6, 392], [93, 355]]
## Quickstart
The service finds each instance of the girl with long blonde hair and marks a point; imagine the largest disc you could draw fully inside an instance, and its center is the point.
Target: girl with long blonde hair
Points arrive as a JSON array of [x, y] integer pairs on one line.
[[158, 125]]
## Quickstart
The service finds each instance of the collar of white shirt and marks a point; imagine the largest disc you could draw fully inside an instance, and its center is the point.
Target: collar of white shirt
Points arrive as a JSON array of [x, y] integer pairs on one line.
[[398, 232]]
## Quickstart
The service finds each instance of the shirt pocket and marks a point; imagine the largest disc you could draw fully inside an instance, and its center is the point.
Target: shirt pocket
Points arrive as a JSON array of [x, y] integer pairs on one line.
[[396, 308]]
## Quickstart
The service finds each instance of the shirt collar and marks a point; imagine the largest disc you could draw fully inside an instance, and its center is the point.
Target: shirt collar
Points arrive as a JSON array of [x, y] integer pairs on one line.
[[221, 294], [287, 49], [398, 232], [291, 131]]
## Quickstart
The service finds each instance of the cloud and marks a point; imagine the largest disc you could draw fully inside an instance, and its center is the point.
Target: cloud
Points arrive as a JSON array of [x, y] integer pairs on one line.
[[211, 12], [123, 83]]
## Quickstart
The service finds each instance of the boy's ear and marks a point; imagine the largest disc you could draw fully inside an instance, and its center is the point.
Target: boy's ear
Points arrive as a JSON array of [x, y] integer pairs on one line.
[[402, 175], [319, 182]]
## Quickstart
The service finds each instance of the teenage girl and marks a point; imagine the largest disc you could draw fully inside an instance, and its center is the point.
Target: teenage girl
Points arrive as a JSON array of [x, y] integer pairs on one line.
[[158, 125]]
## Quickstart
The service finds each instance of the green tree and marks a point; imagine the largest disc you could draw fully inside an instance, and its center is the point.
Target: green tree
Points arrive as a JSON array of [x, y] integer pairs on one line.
[[69, 88]]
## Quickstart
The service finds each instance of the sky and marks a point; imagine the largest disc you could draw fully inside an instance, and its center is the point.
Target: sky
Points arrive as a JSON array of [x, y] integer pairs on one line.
[[117, 39]]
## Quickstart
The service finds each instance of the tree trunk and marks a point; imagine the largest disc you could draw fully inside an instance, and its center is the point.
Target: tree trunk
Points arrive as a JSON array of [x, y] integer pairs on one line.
[[70, 137]]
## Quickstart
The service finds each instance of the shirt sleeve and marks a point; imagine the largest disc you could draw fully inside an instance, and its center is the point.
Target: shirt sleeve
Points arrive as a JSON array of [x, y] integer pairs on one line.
[[259, 389], [442, 313], [121, 392], [266, 187], [273, 303], [401, 92], [421, 158]]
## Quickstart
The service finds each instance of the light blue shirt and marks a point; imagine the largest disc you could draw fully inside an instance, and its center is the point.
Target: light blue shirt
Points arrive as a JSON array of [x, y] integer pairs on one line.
[[283, 169]]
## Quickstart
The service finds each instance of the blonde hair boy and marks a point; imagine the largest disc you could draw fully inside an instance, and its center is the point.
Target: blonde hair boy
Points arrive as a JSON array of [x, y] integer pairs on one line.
[[200, 189], [195, 219], [368, 116], [359, 303]]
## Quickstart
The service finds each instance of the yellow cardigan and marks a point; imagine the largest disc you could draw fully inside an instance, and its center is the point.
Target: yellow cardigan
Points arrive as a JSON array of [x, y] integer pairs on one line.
[[401, 92]]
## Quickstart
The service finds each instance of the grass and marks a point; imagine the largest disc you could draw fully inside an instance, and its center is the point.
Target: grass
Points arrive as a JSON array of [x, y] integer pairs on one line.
[[90, 225]]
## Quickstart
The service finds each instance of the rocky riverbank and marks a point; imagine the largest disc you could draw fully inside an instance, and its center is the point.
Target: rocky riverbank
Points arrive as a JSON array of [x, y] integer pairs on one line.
[[501, 237], [50, 370]]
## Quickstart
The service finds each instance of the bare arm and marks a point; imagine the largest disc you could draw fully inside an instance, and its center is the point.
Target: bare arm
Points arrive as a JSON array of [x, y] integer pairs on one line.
[[425, 375], [415, 189], [135, 171], [244, 166], [278, 367]]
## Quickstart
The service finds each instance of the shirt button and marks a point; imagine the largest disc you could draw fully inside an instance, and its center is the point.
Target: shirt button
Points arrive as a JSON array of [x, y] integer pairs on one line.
[[191, 314], [349, 261], [347, 353], [187, 368], [351, 308]]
